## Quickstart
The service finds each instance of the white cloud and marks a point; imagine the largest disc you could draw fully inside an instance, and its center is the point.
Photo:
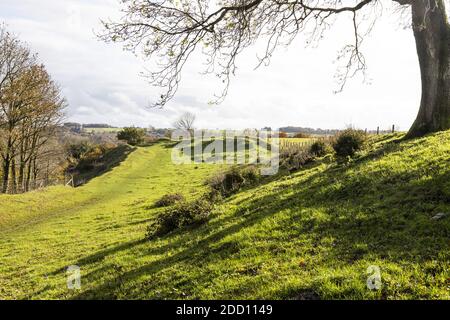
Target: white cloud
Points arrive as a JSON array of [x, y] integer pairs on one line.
[[102, 82]]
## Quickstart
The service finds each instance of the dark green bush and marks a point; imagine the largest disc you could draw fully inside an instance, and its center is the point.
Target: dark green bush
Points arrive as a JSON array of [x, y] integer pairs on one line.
[[133, 136], [348, 142], [293, 161], [85, 155], [320, 148], [180, 215], [77, 151], [169, 200], [229, 182], [234, 180]]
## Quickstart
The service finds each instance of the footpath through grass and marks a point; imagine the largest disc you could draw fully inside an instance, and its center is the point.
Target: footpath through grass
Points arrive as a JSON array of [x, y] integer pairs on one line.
[[43, 232], [311, 234]]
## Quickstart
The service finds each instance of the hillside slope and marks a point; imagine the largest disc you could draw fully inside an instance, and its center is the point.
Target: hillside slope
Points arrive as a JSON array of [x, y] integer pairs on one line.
[[312, 234]]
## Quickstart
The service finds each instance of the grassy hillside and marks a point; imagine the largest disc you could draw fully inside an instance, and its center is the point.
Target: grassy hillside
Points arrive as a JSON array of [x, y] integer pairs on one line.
[[311, 234]]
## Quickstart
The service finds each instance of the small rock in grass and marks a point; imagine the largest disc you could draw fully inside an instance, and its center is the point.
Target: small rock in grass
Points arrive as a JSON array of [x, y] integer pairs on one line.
[[439, 216]]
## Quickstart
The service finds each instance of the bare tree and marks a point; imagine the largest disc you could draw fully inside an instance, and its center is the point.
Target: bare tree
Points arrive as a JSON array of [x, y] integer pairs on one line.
[[30, 109], [185, 122], [169, 31], [42, 119], [15, 60]]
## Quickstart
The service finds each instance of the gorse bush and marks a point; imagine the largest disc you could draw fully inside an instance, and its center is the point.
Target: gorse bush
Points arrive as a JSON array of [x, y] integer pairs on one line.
[[320, 148], [348, 142], [232, 181], [133, 136], [76, 151], [227, 183], [180, 215], [293, 161], [169, 200], [84, 155]]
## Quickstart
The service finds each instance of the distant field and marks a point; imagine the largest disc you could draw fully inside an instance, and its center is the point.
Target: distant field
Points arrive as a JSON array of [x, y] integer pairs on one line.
[[101, 130], [297, 140]]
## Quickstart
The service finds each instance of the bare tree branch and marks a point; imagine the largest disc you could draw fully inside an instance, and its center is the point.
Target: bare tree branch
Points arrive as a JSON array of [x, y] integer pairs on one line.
[[168, 32]]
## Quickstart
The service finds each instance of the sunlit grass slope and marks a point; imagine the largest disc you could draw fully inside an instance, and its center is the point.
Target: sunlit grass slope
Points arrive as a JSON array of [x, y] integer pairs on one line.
[[43, 232], [311, 234]]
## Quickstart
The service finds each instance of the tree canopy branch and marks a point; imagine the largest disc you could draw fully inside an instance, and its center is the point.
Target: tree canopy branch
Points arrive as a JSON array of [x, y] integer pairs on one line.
[[167, 32]]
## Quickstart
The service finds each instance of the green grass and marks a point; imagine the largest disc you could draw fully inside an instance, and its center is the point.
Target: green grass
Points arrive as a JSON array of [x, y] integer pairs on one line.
[[313, 233], [109, 160]]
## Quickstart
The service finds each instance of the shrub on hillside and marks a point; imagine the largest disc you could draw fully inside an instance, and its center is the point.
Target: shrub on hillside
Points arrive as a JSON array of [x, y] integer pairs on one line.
[[84, 155], [181, 215], [76, 151], [227, 183], [213, 196], [133, 136], [169, 200], [320, 148], [293, 161], [232, 181], [348, 142], [251, 174]]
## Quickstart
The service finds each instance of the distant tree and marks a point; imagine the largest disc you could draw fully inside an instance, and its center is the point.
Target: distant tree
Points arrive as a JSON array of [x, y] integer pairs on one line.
[[301, 135], [97, 125], [133, 136], [283, 135], [171, 31], [185, 122], [249, 132]]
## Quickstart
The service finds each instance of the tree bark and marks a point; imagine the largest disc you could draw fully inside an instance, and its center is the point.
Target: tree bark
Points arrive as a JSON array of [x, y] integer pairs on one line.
[[6, 157], [6, 165], [28, 178], [432, 34], [35, 173], [13, 177], [21, 177]]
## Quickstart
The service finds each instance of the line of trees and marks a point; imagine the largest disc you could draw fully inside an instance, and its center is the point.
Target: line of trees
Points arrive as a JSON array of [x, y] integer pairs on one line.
[[31, 107]]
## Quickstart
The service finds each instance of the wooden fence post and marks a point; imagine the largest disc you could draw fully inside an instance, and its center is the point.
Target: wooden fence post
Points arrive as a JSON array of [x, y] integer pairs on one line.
[[378, 131]]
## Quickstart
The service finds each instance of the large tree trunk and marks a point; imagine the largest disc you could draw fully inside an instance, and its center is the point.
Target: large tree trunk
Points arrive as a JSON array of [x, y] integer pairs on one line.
[[432, 34]]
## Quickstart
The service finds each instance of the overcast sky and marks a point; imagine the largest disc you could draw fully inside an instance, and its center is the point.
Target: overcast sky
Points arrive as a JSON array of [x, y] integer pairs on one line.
[[102, 83]]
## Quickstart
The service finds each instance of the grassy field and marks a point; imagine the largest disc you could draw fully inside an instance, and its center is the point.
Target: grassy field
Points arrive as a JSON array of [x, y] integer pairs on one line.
[[311, 234]]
